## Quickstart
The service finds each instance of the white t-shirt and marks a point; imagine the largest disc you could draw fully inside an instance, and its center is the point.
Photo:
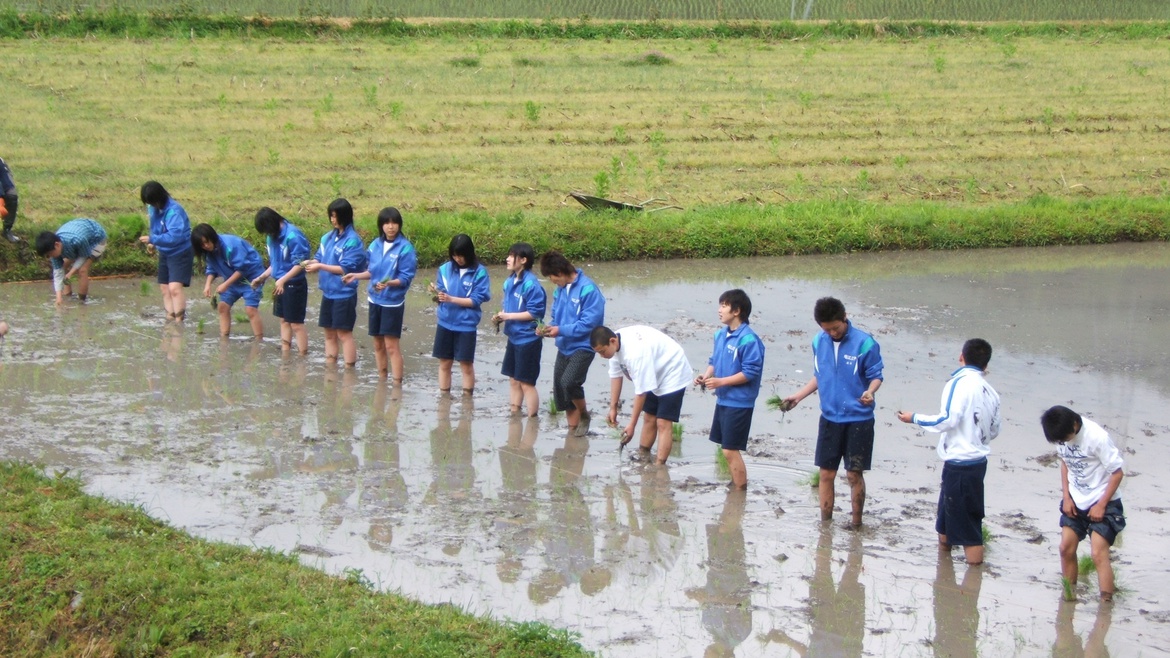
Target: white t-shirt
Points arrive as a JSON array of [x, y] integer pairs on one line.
[[651, 360], [1091, 458]]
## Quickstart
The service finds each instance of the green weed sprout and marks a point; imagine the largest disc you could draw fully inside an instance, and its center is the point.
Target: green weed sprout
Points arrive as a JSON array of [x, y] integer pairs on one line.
[[813, 480], [214, 302], [676, 431], [986, 535], [199, 326], [1069, 588], [240, 317], [144, 289], [1085, 565], [721, 466], [778, 403], [552, 407]]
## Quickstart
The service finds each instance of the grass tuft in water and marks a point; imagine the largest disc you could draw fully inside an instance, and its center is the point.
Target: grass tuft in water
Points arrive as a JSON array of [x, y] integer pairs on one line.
[[144, 289], [813, 480], [676, 431], [987, 536], [552, 407], [1069, 589], [721, 467], [1085, 565]]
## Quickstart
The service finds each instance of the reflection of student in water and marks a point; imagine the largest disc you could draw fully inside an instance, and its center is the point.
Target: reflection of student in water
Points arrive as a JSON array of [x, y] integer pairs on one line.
[[956, 609], [1068, 642], [381, 488], [568, 537], [454, 474], [837, 612], [726, 598], [515, 523], [331, 451]]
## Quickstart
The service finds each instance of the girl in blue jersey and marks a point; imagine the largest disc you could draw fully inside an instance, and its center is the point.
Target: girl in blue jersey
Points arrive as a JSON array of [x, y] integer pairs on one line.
[[232, 259], [287, 248], [523, 308], [393, 264], [170, 235], [463, 286], [341, 252]]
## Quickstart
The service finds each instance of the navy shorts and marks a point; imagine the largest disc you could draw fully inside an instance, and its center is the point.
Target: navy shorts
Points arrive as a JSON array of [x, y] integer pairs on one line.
[[251, 295], [176, 268], [456, 345], [851, 441], [731, 426], [522, 362], [291, 305], [960, 503], [338, 314], [666, 407], [1108, 527], [386, 320]]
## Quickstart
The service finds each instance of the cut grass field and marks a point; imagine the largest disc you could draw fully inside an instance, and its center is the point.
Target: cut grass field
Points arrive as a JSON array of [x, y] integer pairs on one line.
[[67, 591]]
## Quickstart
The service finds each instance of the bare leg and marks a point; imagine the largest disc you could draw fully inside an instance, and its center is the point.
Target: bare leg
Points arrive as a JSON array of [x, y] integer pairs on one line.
[[531, 398], [253, 314], [737, 467], [380, 357], [467, 369], [1100, 549], [286, 335], [83, 281], [575, 413], [1068, 558], [856, 495], [225, 319], [974, 554], [394, 355], [445, 374], [515, 395], [331, 345], [348, 347], [302, 337], [168, 303], [826, 492], [665, 436], [178, 301]]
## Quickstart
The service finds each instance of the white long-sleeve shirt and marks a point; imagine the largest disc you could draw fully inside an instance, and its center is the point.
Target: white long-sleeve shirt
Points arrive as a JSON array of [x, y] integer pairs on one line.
[[1091, 459], [969, 418]]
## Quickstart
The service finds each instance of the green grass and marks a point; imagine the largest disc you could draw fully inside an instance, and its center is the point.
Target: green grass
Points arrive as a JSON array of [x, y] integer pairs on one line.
[[987, 536], [813, 479], [676, 431], [67, 591], [722, 469], [1085, 565]]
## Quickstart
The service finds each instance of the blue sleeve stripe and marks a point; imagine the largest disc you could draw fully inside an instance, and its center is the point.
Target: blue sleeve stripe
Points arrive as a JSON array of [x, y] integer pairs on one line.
[[947, 413]]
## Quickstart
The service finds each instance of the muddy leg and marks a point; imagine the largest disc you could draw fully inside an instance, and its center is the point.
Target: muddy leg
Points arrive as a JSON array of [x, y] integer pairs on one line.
[[826, 491], [856, 495]]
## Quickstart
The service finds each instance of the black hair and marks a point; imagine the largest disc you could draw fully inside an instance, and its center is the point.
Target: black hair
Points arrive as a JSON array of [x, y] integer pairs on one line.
[[154, 194], [525, 251], [828, 309], [977, 352], [343, 211], [46, 241], [200, 233], [268, 221], [461, 245], [600, 336], [1059, 423], [554, 262], [388, 215], [739, 302]]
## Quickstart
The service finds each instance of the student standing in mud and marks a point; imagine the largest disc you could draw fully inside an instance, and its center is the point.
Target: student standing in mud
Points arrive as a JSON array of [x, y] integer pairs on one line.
[[340, 253], [170, 235], [77, 245], [1090, 475], [968, 420], [523, 310], [847, 370], [287, 248], [234, 260], [463, 286], [658, 368], [393, 264], [578, 307]]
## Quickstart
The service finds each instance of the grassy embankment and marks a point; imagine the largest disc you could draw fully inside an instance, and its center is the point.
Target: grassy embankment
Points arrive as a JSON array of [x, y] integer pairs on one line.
[[85, 577], [777, 138]]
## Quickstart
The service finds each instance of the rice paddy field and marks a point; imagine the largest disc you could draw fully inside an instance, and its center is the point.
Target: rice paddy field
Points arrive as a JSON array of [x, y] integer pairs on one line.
[[963, 10]]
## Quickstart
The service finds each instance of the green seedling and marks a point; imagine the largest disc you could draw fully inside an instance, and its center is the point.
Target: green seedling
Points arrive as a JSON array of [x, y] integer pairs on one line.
[[1085, 565], [1069, 588], [813, 480], [721, 466], [385, 281], [552, 407], [986, 535], [240, 317], [144, 289], [199, 327], [540, 327], [676, 431], [214, 302], [778, 403], [497, 321]]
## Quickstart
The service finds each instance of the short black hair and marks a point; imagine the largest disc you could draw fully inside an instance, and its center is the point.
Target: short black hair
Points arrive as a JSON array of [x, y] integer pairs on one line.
[[828, 309], [600, 336], [554, 262], [343, 211], [739, 302], [200, 233], [45, 243], [388, 215], [268, 221], [1059, 422], [525, 251], [977, 352], [461, 245], [154, 194]]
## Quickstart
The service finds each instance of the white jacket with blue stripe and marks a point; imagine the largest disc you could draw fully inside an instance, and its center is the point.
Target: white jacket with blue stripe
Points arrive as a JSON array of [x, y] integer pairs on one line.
[[969, 418]]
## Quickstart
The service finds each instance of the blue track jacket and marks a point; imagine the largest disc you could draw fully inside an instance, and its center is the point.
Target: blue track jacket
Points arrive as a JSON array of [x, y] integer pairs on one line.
[[344, 249], [738, 351], [170, 230], [399, 262], [525, 295], [234, 254], [472, 283], [577, 309], [841, 379], [287, 251]]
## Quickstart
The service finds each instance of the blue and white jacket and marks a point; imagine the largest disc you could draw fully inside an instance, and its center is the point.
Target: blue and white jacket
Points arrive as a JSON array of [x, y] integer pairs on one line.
[[170, 229], [344, 249], [738, 351], [234, 254], [968, 419], [525, 295], [287, 251], [843, 376], [577, 309], [473, 283], [400, 262]]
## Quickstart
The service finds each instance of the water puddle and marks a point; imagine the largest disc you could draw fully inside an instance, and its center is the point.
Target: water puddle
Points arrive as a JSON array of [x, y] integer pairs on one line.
[[452, 500]]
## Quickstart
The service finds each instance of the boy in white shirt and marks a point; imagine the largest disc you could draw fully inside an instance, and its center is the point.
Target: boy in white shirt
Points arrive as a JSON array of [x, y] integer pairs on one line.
[[660, 372], [1090, 474]]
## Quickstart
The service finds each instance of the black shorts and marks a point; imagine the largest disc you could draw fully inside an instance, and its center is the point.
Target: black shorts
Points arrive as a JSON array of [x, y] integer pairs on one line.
[[292, 304], [667, 406], [338, 314], [176, 268], [960, 503], [1108, 527], [731, 427], [851, 441], [522, 362], [386, 320], [456, 345], [569, 374]]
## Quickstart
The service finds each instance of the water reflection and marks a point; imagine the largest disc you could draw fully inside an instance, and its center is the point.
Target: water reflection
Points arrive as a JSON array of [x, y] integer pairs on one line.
[[453, 473], [726, 597], [515, 521], [956, 609], [1068, 642], [382, 494]]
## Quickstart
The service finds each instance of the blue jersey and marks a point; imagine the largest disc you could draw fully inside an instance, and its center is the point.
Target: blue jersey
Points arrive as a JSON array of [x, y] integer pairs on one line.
[[738, 351], [234, 254], [287, 251], [524, 295], [170, 229], [342, 248], [472, 283], [844, 373], [396, 260], [577, 309]]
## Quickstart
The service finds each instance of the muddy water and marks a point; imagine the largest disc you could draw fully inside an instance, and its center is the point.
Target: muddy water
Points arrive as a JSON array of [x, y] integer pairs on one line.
[[450, 500]]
